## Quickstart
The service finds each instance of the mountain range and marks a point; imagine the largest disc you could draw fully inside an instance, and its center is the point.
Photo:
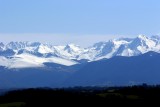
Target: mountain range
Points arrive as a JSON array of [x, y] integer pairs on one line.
[[35, 54], [123, 61]]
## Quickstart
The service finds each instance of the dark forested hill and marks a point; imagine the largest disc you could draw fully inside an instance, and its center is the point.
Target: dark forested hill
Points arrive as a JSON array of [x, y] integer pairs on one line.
[[83, 96]]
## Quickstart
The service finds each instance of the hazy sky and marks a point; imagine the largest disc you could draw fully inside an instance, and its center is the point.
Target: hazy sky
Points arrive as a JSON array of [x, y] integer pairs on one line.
[[78, 21]]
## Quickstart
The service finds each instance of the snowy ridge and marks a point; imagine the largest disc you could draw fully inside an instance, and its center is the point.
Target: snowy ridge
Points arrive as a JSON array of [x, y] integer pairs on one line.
[[27, 60], [34, 54]]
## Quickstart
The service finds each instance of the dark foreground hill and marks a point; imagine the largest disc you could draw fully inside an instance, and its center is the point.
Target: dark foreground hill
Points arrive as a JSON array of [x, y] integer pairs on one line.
[[83, 96]]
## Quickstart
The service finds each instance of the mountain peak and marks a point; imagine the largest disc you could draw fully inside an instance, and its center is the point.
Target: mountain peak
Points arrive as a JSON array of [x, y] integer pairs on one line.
[[155, 37], [1, 44], [142, 37], [72, 47], [21, 45]]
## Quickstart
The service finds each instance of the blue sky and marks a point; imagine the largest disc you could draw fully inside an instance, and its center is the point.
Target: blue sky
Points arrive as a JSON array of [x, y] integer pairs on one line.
[[70, 20]]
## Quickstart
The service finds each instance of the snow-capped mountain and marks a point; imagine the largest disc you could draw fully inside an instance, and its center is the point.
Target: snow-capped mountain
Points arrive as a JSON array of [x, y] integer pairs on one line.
[[1, 46], [34, 54], [124, 47]]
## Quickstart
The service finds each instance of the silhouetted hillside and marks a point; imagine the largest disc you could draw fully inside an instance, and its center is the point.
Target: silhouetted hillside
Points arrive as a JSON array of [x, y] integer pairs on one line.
[[85, 96]]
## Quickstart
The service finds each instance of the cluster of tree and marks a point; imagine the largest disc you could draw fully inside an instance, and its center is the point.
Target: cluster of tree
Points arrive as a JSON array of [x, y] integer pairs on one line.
[[82, 96]]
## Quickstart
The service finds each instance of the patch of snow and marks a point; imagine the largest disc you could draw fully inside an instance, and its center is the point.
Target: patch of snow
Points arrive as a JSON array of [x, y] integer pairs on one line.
[[28, 61]]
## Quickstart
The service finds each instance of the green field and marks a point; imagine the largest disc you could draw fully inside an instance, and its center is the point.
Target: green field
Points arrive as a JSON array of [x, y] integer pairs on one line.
[[13, 104]]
